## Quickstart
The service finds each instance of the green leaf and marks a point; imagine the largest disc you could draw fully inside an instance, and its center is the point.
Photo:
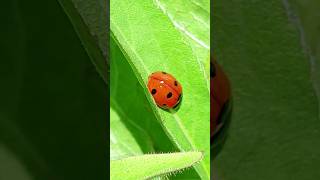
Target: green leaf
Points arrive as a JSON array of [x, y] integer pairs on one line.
[[274, 132], [89, 19], [52, 108], [304, 15], [11, 166], [128, 97], [122, 142], [152, 165], [151, 43], [192, 19], [136, 112]]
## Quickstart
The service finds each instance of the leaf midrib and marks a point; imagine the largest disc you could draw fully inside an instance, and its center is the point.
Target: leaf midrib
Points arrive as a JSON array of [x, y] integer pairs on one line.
[[189, 34]]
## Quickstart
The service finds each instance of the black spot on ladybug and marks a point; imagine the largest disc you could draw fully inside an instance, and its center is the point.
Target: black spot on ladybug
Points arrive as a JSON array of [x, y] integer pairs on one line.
[[169, 95], [176, 83], [164, 72], [179, 97], [164, 104], [153, 91]]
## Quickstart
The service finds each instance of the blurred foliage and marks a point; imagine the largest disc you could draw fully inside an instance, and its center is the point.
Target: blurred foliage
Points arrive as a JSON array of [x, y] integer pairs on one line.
[[305, 15], [275, 127], [89, 19], [52, 101]]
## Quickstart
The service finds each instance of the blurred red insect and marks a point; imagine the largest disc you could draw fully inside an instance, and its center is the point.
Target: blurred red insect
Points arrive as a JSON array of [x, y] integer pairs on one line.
[[220, 95]]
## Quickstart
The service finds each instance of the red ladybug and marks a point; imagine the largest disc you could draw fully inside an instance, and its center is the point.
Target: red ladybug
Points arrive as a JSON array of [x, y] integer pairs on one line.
[[220, 95], [165, 89]]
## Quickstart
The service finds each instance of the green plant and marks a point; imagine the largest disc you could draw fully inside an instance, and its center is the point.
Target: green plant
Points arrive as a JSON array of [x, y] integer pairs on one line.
[[148, 36], [53, 102], [274, 132]]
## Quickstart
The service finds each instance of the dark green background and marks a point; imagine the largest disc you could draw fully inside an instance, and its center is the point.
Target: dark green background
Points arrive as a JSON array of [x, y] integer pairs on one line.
[[275, 129], [53, 104]]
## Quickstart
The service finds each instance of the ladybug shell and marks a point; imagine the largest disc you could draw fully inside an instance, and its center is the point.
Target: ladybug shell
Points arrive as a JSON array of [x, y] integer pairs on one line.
[[220, 94], [165, 89]]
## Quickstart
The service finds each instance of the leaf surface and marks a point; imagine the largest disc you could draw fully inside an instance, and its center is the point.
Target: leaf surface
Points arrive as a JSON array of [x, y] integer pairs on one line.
[[152, 165], [151, 43]]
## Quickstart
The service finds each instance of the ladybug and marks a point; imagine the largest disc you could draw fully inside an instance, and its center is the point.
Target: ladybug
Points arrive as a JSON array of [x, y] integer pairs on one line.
[[219, 96], [165, 89]]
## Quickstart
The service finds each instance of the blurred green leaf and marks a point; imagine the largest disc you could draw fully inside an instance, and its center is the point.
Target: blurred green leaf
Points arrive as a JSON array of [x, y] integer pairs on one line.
[[305, 15], [275, 127], [11, 167], [52, 108], [152, 165], [151, 43], [89, 18]]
